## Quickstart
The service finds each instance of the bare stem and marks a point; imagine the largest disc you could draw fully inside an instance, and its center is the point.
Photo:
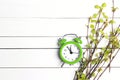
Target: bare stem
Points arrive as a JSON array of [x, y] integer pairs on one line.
[[108, 64]]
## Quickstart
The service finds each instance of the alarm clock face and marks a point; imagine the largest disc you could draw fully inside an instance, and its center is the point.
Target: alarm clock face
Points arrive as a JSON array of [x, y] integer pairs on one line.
[[70, 52]]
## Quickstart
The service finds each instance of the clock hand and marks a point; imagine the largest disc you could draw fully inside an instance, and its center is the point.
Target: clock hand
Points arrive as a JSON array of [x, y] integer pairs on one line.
[[70, 50]]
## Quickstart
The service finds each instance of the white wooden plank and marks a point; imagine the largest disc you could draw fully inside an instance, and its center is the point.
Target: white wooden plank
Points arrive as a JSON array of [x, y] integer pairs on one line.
[[37, 58], [37, 74], [31, 58], [50, 74], [41, 42], [52, 8], [32, 42], [113, 74], [41, 27], [116, 61]]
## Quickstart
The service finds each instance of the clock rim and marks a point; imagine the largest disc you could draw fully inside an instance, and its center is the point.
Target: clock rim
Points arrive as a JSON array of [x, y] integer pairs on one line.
[[75, 61]]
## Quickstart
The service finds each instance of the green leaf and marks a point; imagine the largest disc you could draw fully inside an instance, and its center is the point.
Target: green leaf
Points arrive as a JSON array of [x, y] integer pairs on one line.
[[95, 15], [104, 15], [92, 26], [94, 61], [119, 45], [103, 49], [101, 20], [97, 6], [91, 37], [100, 69], [107, 53], [104, 5], [101, 31], [106, 36], [95, 41], [111, 21], [83, 76], [96, 55], [118, 30], [93, 21], [114, 9], [88, 45], [106, 59], [93, 31], [93, 74]]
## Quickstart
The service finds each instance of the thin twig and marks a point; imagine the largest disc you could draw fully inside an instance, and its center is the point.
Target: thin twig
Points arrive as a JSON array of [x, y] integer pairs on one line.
[[108, 64]]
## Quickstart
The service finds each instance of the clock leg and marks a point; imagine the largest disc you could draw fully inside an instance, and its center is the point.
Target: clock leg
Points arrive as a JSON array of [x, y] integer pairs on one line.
[[62, 64], [70, 64]]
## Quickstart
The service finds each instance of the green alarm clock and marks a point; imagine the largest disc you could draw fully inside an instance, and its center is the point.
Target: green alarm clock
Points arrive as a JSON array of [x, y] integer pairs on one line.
[[70, 51]]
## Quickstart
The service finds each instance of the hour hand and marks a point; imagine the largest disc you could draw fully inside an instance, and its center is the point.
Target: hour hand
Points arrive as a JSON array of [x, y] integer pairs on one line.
[[70, 50]]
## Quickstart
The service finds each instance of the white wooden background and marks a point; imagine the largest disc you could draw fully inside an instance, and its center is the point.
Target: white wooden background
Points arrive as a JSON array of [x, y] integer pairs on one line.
[[45, 21]]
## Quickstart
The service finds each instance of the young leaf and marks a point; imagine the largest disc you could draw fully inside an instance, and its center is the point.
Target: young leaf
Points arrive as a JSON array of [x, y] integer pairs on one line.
[[91, 37], [93, 21], [111, 21], [95, 15], [92, 26], [106, 54], [93, 74], [94, 61], [118, 30], [103, 49], [114, 9], [100, 69], [106, 59], [101, 20], [106, 36], [104, 5], [97, 6], [95, 41], [97, 54], [93, 31], [88, 45], [101, 31], [104, 15]]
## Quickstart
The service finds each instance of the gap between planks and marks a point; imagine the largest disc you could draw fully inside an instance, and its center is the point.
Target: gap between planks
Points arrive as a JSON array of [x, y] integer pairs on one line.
[[47, 67], [56, 17]]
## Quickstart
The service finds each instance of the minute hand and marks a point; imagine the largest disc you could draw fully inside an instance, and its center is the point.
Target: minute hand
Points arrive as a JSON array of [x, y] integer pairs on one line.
[[70, 50]]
